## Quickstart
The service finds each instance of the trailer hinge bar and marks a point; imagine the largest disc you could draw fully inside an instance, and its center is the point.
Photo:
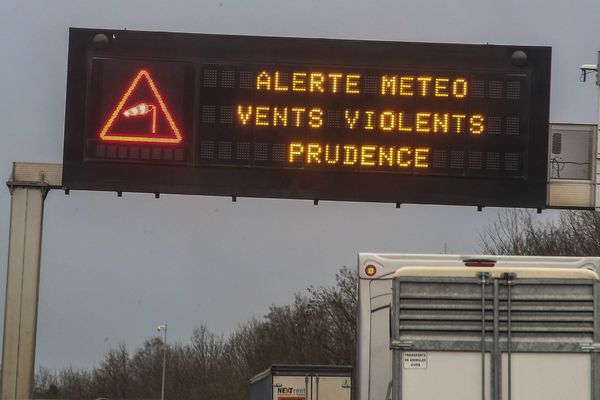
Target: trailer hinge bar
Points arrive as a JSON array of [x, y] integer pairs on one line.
[[591, 347], [401, 344]]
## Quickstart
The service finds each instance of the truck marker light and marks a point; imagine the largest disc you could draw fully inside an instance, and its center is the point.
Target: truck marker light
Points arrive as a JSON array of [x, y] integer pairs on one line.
[[480, 263], [370, 270]]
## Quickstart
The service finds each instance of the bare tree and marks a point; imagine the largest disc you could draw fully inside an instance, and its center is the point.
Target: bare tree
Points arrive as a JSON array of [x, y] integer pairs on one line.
[[45, 384], [336, 306], [113, 378], [516, 232], [75, 384]]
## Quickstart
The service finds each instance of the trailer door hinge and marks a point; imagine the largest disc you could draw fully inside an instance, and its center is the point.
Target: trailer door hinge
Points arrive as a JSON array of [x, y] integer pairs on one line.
[[591, 347], [401, 344]]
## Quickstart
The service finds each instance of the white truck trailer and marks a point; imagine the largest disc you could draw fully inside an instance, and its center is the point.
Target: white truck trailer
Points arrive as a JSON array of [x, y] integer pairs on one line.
[[457, 327], [302, 382]]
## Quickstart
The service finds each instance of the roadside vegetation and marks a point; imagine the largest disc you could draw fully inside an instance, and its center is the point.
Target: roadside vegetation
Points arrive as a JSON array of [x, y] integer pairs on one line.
[[319, 327], [518, 232]]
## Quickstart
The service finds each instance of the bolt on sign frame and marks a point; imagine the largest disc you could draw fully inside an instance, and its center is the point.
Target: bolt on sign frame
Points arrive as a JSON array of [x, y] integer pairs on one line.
[[314, 119]]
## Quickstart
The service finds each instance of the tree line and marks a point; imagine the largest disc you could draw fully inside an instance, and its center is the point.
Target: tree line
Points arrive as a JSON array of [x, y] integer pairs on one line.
[[519, 232], [318, 327]]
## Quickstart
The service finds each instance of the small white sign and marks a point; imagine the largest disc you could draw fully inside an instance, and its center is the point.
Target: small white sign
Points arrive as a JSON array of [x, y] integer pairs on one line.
[[415, 359]]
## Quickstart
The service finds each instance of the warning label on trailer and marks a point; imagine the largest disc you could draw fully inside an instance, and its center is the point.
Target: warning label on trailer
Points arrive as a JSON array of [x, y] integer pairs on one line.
[[415, 359]]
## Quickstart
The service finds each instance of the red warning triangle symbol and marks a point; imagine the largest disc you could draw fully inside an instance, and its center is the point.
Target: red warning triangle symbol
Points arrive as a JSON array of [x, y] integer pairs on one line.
[[141, 116]]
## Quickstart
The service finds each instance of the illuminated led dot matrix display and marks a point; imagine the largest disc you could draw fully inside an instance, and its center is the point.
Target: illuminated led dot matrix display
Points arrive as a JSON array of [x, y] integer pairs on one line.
[[286, 110]]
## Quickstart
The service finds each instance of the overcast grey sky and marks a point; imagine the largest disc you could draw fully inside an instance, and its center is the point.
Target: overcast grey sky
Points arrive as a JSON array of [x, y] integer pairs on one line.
[[113, 268]]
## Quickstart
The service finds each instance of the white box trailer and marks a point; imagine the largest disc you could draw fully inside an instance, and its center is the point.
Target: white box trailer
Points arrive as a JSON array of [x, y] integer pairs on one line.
[[302, 382], [478, 327]]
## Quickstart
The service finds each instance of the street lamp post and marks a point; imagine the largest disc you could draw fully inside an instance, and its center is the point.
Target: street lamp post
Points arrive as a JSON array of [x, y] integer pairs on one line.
[[164, 368]]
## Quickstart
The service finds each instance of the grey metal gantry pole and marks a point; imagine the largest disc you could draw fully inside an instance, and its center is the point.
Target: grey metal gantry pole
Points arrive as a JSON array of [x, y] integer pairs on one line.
[[29, 184]]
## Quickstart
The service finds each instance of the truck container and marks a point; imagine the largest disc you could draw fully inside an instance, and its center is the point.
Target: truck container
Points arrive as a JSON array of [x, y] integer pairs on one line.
[[478, 327], [302, 382]]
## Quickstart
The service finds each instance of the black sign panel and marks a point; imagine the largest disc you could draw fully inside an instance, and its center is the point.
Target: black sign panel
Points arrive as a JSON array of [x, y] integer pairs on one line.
[[307, 118]]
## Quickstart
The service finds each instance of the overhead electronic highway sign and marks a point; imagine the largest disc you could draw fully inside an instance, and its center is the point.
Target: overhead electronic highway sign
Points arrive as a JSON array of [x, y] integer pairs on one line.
[[312, 119]]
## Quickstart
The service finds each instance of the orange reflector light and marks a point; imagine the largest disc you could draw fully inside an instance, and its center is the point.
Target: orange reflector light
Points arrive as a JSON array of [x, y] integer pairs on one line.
[[480, 263], [370, 270]]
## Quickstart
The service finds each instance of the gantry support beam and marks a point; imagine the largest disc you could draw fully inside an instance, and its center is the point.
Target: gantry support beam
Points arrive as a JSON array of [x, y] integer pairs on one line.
[[29, 184]]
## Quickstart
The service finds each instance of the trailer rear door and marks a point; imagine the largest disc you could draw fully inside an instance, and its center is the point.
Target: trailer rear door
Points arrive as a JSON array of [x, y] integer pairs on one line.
[[495, 334], [331, 388]]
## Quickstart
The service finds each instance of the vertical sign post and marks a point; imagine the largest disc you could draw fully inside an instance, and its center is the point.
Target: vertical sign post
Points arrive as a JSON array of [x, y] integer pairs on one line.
[[29, 185]]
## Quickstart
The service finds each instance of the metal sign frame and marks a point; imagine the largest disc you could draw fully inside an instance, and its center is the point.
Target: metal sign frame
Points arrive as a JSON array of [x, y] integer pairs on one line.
[[191, 177]]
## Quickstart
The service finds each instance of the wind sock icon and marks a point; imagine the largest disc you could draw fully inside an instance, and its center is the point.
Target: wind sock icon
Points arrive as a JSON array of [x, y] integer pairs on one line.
[[140, 110]]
